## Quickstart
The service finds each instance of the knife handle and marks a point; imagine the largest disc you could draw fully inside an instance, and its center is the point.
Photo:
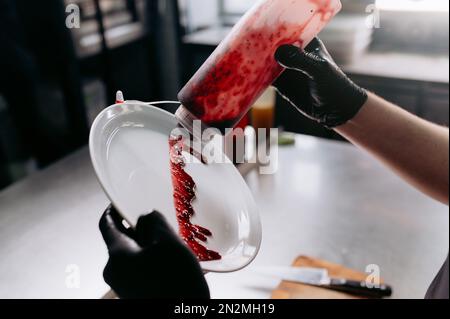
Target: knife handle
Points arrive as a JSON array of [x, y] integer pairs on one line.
[[359, 288]]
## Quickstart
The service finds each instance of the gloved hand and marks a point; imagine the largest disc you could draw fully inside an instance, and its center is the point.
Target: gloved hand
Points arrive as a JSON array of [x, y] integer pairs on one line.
[[149, 261], [316, 86]]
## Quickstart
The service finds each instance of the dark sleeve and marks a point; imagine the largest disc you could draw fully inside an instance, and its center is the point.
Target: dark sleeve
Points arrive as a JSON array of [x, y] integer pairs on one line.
[[439, 288]]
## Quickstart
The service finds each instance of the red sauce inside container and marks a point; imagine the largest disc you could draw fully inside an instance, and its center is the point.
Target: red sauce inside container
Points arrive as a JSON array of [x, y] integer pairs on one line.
[[243, 66]]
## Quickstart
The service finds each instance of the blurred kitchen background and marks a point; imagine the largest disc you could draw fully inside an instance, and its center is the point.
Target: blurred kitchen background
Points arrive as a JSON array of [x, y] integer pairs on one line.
[[55, 79]]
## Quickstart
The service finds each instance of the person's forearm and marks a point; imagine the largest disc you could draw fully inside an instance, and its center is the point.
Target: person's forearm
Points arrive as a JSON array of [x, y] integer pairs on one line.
[[416, 149]]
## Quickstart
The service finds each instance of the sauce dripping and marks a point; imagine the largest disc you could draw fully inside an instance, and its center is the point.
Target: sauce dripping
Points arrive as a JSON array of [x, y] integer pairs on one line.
[[183, 195]]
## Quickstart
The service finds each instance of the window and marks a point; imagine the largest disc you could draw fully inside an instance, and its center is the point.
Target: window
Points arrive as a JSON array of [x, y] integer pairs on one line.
[[414, 5], [240, 6], [236, 6]]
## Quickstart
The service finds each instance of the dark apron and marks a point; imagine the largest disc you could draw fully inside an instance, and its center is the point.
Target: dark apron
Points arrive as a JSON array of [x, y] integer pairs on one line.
[[439, 287]]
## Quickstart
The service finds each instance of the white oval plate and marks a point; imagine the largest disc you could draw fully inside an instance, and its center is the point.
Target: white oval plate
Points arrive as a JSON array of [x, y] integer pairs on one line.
[[130, 153]]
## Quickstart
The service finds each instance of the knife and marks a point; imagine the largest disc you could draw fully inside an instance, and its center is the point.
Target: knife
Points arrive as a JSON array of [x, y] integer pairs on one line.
[[319, 277]]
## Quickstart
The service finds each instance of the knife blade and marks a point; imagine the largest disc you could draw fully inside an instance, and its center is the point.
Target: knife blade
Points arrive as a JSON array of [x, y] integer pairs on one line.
[[319, 277]]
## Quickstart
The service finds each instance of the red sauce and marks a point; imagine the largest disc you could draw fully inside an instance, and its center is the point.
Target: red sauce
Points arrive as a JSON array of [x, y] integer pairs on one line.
[[243, 66], [324, 9], [184, 195]]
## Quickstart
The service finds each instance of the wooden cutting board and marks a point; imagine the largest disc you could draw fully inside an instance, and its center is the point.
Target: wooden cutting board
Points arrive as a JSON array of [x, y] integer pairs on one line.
[[288, 290]]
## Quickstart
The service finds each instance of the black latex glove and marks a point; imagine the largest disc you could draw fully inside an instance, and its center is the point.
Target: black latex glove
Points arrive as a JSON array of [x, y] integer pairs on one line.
[[316, 86], [150, 261]]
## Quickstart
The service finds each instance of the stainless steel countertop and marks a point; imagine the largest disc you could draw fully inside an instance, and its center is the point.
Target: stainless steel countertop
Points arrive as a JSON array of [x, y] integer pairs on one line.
[[49, 222], [328, 200]]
